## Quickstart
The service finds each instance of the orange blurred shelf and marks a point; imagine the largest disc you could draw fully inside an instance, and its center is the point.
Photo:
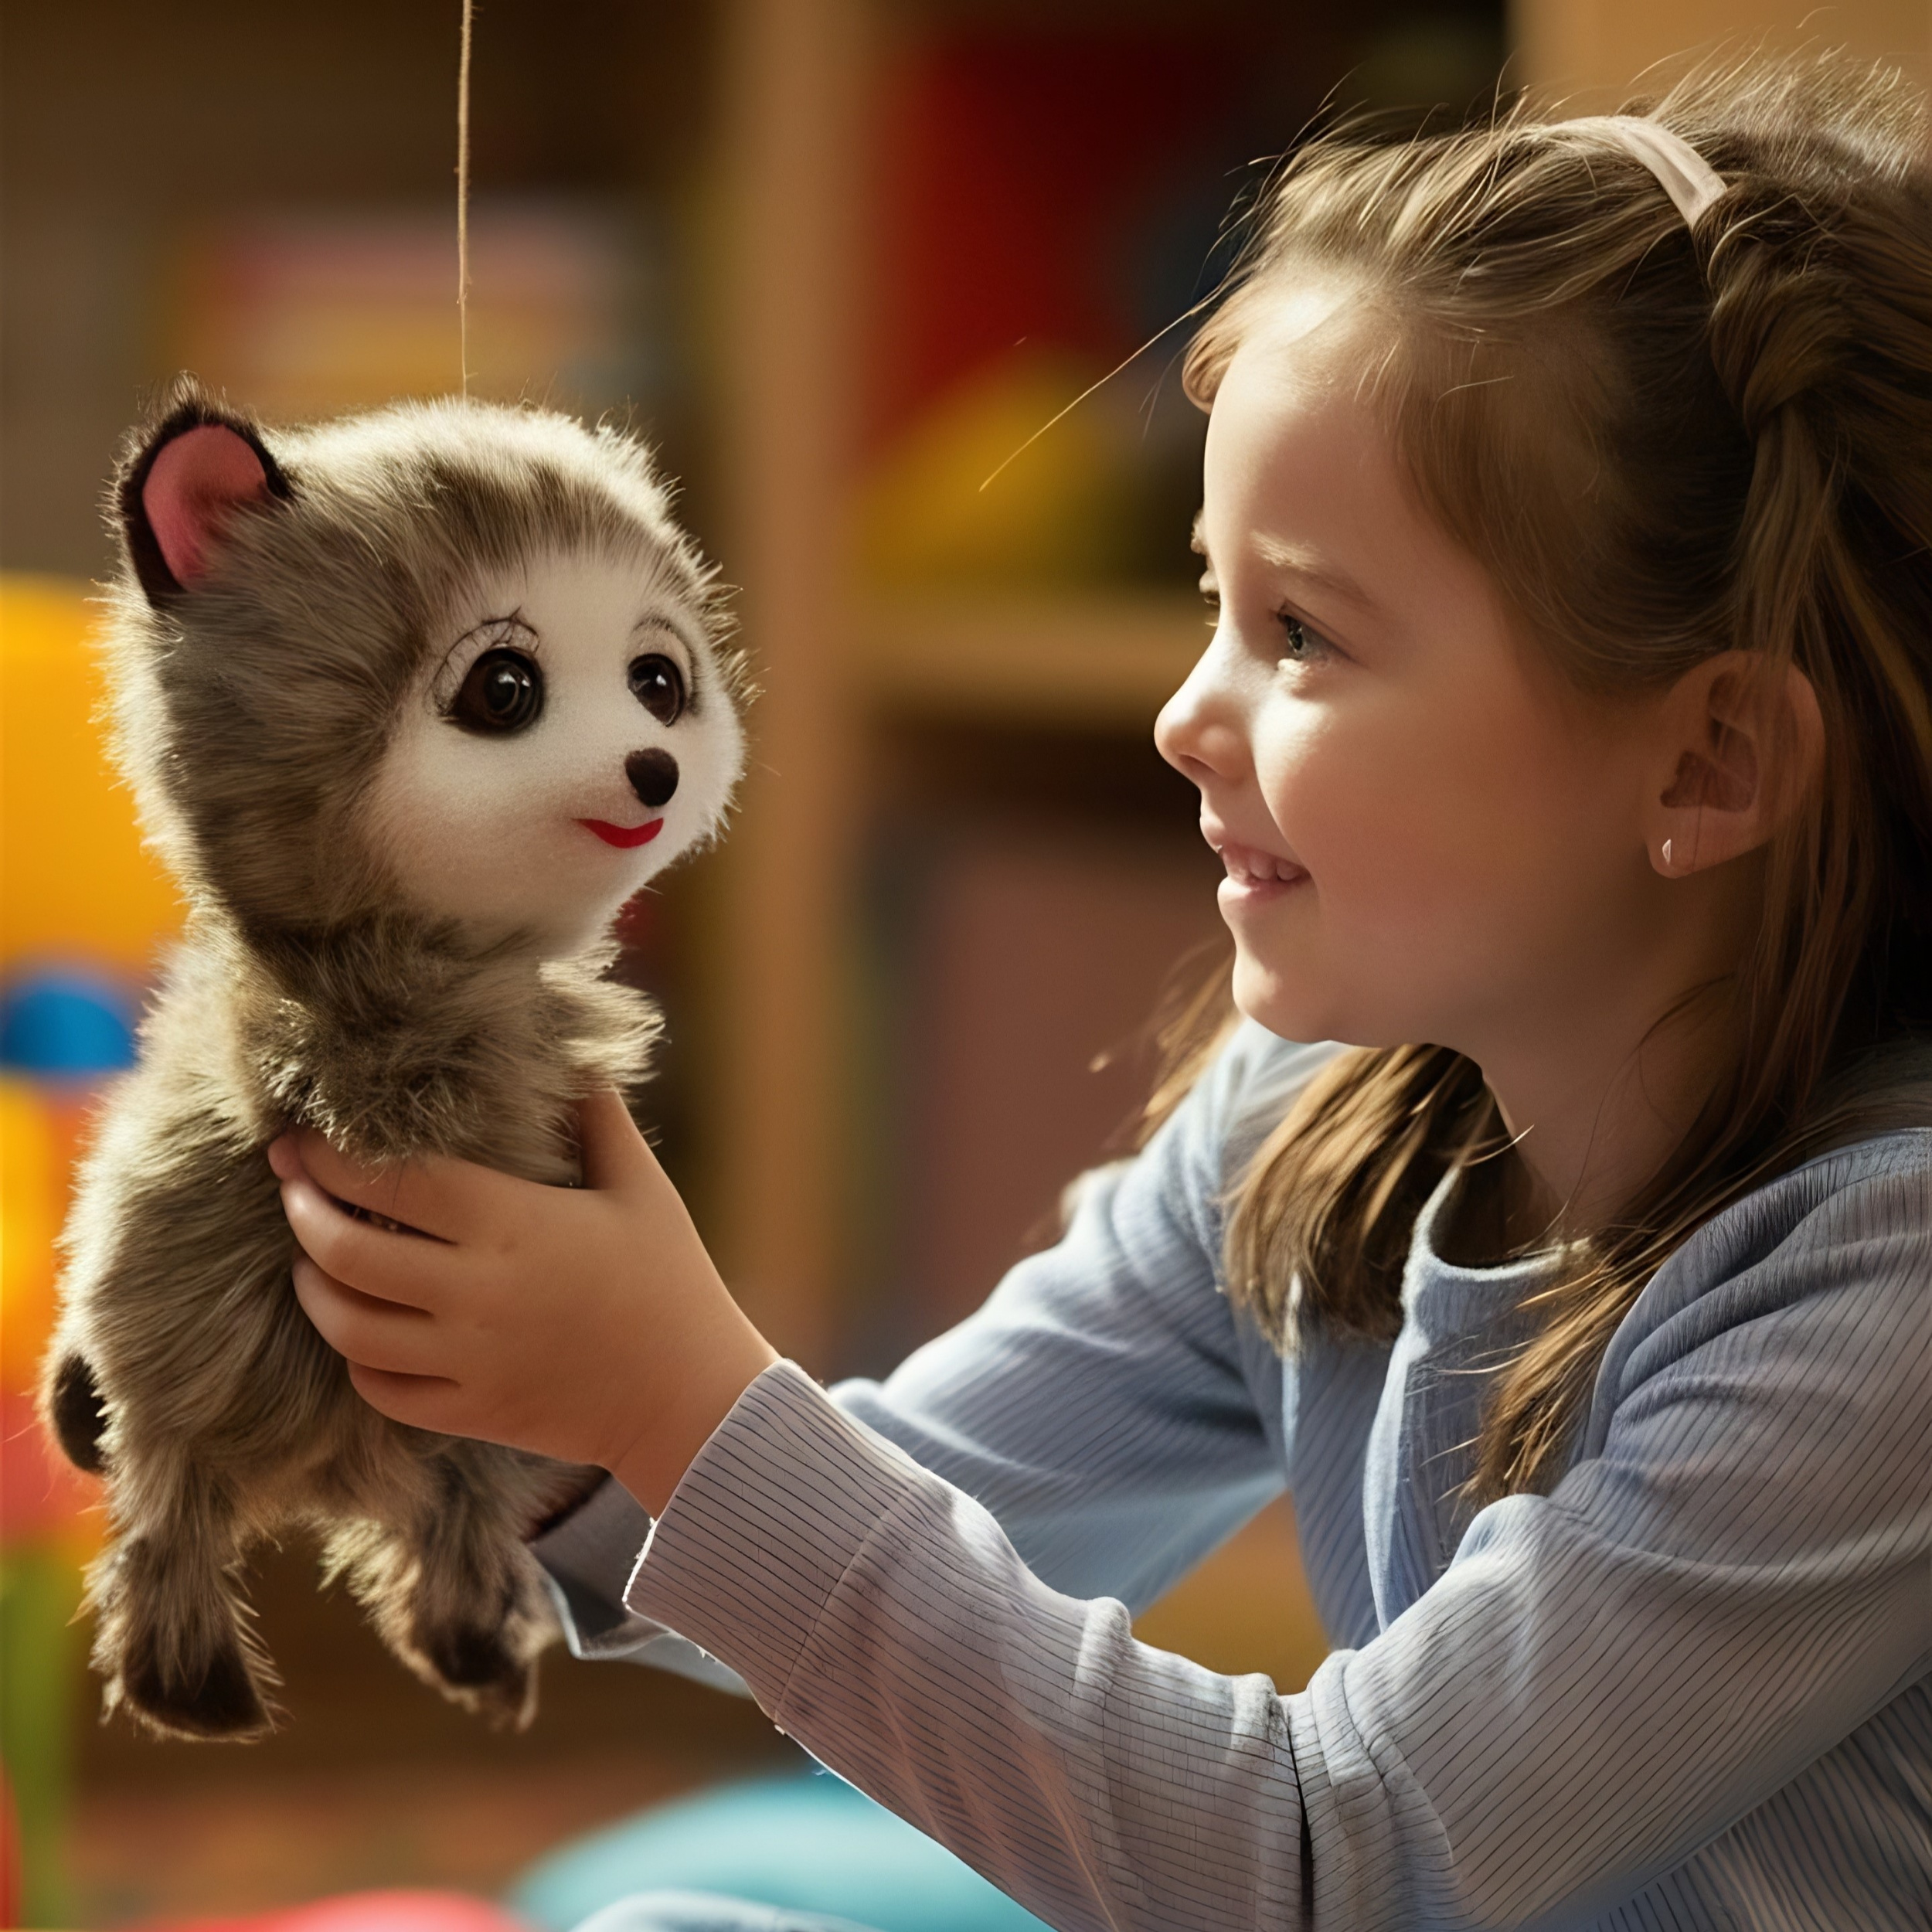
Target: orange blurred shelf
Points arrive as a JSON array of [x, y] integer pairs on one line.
[[1106, 660]]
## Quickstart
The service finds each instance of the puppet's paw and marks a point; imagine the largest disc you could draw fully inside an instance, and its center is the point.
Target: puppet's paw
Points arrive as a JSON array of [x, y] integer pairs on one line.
[[173, 1650], [212, 1696], [485, 1669]]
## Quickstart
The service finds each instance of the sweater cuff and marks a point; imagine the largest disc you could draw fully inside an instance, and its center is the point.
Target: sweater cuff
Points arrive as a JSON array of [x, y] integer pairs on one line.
[[767, 1519], [586, 1558]]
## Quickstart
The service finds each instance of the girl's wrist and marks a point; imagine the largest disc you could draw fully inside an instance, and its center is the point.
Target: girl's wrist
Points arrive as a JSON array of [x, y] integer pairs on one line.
[[653, 1463]]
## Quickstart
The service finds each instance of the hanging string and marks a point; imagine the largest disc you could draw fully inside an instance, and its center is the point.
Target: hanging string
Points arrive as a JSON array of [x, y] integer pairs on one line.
[[463, 195], [1060, 416]]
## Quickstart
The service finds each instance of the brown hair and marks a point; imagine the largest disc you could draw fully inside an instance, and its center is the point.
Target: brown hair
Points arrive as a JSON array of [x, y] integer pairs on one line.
[[1663, 441]]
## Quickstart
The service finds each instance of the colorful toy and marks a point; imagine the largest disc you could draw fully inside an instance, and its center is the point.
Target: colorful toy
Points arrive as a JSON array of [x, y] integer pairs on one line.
[[84, 910], [368, 1912]]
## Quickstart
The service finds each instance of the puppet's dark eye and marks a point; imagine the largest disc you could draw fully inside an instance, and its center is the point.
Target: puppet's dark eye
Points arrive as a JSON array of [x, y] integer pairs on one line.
[[503, 693], [659, 686]]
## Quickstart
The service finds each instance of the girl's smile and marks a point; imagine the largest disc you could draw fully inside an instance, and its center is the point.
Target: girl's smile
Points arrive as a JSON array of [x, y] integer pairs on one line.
[[1254, 876]]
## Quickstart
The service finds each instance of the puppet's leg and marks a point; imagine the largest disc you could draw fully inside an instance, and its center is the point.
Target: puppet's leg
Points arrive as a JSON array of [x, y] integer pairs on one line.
[[172, 1642], [453, 1589]]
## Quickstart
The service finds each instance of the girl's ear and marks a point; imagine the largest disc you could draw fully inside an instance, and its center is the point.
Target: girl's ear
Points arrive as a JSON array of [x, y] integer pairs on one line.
[[184, 478], [1743, 745]]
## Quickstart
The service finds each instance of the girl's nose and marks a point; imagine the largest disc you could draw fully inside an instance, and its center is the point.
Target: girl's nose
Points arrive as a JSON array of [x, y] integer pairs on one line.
[[1198, 731]]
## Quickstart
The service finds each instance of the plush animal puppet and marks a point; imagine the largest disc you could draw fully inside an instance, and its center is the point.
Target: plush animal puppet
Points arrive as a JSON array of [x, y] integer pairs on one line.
[[412, 703]]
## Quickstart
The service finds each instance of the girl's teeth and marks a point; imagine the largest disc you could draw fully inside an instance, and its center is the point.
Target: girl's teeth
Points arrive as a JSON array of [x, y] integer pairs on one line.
[[1258, 866]]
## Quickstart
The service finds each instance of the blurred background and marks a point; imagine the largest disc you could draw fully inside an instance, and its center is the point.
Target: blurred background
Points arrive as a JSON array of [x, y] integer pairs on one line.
[[838, 259]]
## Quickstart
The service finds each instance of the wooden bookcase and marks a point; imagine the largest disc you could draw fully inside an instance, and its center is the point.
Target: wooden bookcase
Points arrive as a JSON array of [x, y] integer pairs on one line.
[[841, 668]]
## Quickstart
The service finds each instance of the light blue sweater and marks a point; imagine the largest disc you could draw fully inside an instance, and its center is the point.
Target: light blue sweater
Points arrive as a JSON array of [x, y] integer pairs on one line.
[[1692, 1688]]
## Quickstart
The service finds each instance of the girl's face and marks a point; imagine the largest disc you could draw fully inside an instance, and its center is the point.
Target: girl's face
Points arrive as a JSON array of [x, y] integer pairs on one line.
[[1427, 837]]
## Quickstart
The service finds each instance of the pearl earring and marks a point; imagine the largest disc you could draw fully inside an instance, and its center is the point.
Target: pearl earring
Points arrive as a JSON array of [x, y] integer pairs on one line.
[[1669, 863]]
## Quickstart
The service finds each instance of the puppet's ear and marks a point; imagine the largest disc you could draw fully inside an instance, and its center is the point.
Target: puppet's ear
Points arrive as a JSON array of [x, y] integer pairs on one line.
[[183, 481]]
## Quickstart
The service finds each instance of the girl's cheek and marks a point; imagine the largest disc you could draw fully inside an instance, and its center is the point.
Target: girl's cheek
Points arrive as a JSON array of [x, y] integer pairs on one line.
[[1402, 838], [1301, 780], [1337, 810]]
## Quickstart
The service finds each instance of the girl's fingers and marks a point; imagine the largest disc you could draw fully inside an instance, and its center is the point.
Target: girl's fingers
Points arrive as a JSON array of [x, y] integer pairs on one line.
[[373, 1334], [615, 1154], [396, 1268], [422, 1402], [440, 1199]]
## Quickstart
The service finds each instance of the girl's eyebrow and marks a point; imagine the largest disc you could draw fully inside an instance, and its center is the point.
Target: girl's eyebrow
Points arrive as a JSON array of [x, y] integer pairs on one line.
[[1297, 560]]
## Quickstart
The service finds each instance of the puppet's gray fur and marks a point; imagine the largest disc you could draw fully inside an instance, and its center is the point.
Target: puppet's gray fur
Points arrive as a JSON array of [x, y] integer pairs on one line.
[[251, 710]]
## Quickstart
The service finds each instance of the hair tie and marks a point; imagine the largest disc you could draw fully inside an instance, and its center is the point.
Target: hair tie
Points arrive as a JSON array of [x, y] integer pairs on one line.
[[1683, 174]]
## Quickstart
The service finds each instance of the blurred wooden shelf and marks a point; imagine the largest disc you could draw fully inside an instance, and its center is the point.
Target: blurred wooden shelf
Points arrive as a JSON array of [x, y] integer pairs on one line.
[[1101, 660]]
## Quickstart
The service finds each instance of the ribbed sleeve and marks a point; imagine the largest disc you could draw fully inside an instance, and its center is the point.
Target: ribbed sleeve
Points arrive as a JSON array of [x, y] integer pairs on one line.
[[1690, 1690], [1724, 1610], [883, 1617]]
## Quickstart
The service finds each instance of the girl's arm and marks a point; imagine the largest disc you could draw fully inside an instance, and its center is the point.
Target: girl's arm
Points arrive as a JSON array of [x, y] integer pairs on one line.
[[1736, 1576], [1105, 1405], [1731, 1581]]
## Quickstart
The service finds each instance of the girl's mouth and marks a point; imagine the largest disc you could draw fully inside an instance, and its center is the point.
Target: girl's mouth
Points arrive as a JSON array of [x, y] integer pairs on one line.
[[1252, 873], [624, 837]]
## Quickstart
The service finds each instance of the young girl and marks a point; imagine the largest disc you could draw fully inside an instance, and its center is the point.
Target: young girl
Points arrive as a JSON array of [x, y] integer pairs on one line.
[[1568, 512]]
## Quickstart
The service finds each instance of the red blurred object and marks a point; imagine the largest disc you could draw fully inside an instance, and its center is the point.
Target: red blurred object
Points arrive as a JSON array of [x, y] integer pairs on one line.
[[368, 1912], [41, 1493], [1007, 159], [9, 1855]]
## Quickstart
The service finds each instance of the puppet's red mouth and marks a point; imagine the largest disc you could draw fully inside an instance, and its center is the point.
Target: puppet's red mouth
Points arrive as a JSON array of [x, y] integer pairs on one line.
[[624, 836]]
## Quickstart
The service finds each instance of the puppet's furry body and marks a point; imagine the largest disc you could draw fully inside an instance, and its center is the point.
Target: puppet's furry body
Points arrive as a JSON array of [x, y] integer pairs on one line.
[[297, 652]]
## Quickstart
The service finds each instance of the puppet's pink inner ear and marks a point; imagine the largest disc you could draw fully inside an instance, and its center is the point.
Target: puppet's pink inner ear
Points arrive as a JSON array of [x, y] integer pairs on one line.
[[192, 484]]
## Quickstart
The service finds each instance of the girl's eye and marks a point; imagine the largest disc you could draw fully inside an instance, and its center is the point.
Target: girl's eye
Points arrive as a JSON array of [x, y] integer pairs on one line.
[[658, 685], [1300, 644], [503, 693]]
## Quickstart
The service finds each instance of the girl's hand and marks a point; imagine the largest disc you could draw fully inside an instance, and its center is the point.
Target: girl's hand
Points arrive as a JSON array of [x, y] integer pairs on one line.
[[584, 1323]]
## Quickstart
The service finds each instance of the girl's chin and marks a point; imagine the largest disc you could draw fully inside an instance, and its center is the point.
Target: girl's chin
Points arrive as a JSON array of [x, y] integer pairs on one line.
[[1285, 1002]]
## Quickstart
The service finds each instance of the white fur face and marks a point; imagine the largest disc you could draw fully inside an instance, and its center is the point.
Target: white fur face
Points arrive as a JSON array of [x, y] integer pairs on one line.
[[574, 705]]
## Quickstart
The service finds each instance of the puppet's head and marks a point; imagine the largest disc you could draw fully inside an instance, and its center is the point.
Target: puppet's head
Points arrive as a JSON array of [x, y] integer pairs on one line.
[[451, 658]]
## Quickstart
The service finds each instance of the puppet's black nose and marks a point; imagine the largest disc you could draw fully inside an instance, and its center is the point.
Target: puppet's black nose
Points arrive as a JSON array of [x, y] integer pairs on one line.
[[653, 776]]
